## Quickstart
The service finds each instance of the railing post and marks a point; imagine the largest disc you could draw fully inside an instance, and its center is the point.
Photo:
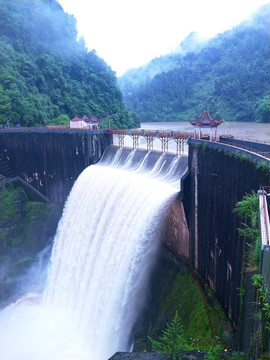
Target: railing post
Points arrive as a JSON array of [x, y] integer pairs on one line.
[[180, 139], [149, 137], [164, 137], [135, 135], [121, 136]]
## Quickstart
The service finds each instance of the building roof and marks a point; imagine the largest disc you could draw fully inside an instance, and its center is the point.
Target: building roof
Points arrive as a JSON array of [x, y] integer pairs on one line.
[[92, 119], [206, 120], [75, 119], [84, 118]]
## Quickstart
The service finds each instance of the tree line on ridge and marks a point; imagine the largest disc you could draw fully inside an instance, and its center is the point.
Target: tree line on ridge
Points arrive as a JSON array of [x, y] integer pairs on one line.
[[228, 75], [47, 75]]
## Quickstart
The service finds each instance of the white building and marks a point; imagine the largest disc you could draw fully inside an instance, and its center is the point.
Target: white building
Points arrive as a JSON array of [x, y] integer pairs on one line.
[[91, 123]]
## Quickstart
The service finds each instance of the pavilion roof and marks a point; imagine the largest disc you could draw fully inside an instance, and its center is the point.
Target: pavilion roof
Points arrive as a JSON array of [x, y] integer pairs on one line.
[[206, 120]]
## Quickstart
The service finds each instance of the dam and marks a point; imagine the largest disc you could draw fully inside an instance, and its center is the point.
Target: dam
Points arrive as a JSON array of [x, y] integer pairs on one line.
[[213, 178]]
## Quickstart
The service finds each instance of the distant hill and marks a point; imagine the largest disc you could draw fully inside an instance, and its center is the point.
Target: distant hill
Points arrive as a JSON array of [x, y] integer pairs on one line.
[[228, 75], [134, 78], [47, 76]]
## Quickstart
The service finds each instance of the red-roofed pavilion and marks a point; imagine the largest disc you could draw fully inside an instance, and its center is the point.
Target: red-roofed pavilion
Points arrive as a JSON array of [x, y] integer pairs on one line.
[[206, 122]]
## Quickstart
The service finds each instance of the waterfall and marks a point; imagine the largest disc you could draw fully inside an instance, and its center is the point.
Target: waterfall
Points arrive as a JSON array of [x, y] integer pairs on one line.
[[102, 257]]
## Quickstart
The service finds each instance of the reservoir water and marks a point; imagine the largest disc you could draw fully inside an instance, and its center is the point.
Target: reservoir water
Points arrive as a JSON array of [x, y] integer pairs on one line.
[[254, 132]]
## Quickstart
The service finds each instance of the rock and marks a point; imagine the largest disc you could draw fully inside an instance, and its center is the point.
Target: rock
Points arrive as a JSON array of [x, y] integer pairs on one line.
[[184, 355], [139, 356]]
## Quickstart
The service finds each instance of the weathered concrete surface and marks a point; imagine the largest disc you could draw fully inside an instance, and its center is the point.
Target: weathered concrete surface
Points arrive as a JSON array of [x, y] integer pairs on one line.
[[50, 161], [176, 236], [219, 177]]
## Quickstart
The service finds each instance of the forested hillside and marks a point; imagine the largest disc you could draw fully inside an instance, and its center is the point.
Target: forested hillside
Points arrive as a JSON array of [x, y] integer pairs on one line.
[[47, 76], [229, 76]]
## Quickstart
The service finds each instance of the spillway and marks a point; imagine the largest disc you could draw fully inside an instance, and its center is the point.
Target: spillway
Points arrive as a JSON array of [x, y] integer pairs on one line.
[[101, 261]]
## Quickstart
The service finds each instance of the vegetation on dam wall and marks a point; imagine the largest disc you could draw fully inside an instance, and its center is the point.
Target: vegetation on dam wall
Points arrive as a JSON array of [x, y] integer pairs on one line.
[[174, 289], [247, 210]]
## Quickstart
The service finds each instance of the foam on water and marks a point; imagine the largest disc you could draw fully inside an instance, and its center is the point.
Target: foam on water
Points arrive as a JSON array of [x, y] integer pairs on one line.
[[101, 261]]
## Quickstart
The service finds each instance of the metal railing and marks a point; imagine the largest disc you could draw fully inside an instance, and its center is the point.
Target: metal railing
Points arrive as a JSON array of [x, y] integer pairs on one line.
[[23, 182], [264, 235]]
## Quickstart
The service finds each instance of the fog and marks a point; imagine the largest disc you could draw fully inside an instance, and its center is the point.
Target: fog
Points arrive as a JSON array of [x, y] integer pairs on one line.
[[31, 280]]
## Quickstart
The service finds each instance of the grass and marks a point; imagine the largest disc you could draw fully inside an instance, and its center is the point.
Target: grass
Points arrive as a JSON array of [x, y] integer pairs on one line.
[[185, 298]]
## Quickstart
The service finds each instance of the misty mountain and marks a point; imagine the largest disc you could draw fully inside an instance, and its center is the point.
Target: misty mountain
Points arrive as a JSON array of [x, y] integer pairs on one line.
[[135, 77], [47, 75], [228, 75]]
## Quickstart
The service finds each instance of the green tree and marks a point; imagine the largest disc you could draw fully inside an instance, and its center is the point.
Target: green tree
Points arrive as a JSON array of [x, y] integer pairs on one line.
[[262, 109], [247, 209], [46, 72], [61, 120], [228, 74], [172, 340], [263, 293]]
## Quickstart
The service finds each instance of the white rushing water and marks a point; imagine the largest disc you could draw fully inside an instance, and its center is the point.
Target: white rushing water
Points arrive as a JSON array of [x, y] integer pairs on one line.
[[103, 252]]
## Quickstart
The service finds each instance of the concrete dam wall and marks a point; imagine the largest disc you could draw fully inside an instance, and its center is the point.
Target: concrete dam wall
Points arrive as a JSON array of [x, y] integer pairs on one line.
[[50, 161], [219, 177]]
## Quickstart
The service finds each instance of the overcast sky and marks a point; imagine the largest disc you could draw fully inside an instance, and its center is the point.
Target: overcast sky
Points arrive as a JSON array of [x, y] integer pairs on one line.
[[130, 33]]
